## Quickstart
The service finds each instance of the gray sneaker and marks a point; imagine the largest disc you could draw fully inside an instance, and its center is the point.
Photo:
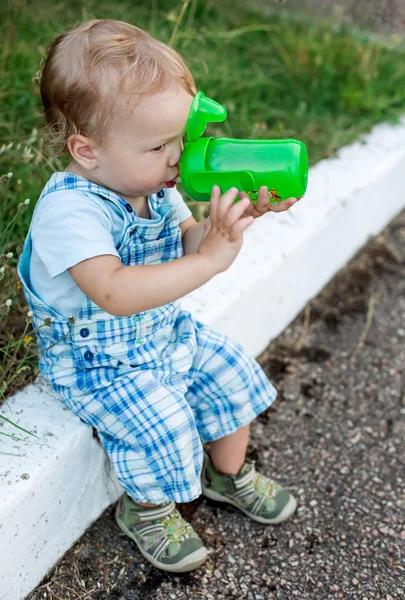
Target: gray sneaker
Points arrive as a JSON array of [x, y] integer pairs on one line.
[[164, 538], [259, 497]]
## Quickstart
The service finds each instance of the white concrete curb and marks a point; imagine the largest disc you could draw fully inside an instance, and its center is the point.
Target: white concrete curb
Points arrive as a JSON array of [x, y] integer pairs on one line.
[[60, 481]]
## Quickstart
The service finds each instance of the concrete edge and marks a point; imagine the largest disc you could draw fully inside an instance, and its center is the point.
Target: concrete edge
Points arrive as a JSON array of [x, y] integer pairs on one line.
[[55, 485]]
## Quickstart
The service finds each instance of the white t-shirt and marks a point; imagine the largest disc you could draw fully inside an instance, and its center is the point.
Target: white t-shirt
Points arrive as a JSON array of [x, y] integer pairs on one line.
[[68, 227]]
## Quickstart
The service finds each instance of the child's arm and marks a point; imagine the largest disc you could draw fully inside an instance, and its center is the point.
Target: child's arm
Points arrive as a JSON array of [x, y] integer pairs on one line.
[[193, 234], [123, 291]]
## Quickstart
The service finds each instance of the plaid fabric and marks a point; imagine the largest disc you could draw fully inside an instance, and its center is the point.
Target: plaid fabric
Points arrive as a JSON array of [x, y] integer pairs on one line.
[[154, 384]]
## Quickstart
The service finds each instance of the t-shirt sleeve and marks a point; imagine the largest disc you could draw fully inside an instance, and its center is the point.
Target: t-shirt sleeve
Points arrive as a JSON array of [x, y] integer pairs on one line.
[[69, 227], [174, 197]]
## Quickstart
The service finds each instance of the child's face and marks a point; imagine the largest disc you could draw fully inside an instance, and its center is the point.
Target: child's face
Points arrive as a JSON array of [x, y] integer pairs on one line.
[[143, 153]]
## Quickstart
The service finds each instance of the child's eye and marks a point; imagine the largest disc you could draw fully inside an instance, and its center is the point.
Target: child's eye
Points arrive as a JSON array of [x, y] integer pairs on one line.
[[158, 148]]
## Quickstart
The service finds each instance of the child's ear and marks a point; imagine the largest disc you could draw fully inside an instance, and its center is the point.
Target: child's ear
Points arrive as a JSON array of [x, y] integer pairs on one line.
[[83, 151]]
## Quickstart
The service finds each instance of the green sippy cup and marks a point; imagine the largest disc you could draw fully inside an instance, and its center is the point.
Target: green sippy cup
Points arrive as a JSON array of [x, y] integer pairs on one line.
[[281, 165]]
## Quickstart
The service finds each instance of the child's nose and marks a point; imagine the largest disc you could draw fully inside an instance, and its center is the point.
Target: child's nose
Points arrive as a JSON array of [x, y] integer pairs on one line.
[[176, 154]]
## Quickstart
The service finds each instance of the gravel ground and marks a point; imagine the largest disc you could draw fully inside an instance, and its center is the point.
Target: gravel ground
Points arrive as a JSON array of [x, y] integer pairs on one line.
[[335, 437]]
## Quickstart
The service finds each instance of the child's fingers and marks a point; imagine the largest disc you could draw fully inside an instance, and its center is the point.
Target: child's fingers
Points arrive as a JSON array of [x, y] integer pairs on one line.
[[226, 202], [235, 212], [240, 226], [284, 205], [242, 195], [215, 196], [263, 200]]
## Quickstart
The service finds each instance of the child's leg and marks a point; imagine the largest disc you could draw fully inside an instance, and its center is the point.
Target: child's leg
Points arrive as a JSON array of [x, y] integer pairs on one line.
[[150, 435], [148, 430], [229, 453], [228, 390]]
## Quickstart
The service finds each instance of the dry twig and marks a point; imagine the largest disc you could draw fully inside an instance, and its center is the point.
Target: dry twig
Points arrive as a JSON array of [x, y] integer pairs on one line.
[[300, 342], [369, 320]]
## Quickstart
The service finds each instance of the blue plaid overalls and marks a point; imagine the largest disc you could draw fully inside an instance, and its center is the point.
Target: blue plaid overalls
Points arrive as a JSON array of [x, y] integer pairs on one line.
[[153, 384]]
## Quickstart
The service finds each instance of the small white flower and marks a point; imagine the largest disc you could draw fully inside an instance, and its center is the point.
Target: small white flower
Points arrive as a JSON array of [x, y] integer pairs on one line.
[[29, 313], [27, 201], [8, 302], [9, 175], [2, 269], [9, 255]]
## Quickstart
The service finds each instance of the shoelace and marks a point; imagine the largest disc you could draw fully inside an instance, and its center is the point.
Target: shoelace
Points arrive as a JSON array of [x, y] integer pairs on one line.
[[270, 487], [167, 522], [171, 515], [167, 537], [252, 481]]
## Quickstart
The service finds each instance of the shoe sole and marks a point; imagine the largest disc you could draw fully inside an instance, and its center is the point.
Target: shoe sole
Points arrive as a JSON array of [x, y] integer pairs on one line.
[[287, 511], [189, 563]]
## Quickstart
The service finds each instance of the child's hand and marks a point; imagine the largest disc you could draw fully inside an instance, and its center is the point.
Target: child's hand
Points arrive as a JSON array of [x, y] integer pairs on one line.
[[223, 235], [263, 205]]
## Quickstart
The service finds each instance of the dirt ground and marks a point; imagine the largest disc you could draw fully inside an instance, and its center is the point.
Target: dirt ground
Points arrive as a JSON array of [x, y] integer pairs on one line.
[[334, 437]]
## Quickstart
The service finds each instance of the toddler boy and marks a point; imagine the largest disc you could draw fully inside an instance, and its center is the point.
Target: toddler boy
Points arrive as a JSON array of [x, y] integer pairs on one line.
[[111, 249]]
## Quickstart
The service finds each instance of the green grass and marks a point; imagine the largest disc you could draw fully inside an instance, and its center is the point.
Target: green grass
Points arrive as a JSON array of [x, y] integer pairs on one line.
[[278, 77]]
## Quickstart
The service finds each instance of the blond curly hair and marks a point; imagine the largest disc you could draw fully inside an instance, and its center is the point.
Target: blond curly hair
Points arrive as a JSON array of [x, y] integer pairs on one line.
[[91, 67]]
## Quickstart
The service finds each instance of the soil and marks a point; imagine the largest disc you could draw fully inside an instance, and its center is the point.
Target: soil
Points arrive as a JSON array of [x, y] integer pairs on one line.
[[334, 437]]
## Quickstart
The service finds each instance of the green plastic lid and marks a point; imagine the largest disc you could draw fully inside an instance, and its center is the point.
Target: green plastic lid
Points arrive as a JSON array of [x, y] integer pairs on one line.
[[203, 110]]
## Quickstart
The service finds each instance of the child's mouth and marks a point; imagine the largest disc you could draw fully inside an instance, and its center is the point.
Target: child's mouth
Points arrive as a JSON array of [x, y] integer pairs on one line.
[[172, 182]]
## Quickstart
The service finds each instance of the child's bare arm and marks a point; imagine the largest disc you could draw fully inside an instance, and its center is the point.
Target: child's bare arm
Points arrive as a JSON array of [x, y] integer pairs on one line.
[[122, 290], [194, 235]]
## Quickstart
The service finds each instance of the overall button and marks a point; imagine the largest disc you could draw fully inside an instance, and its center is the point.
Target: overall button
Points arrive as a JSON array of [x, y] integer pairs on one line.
[[88, 355], [84, 332], [160, 193], [128, 207]]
